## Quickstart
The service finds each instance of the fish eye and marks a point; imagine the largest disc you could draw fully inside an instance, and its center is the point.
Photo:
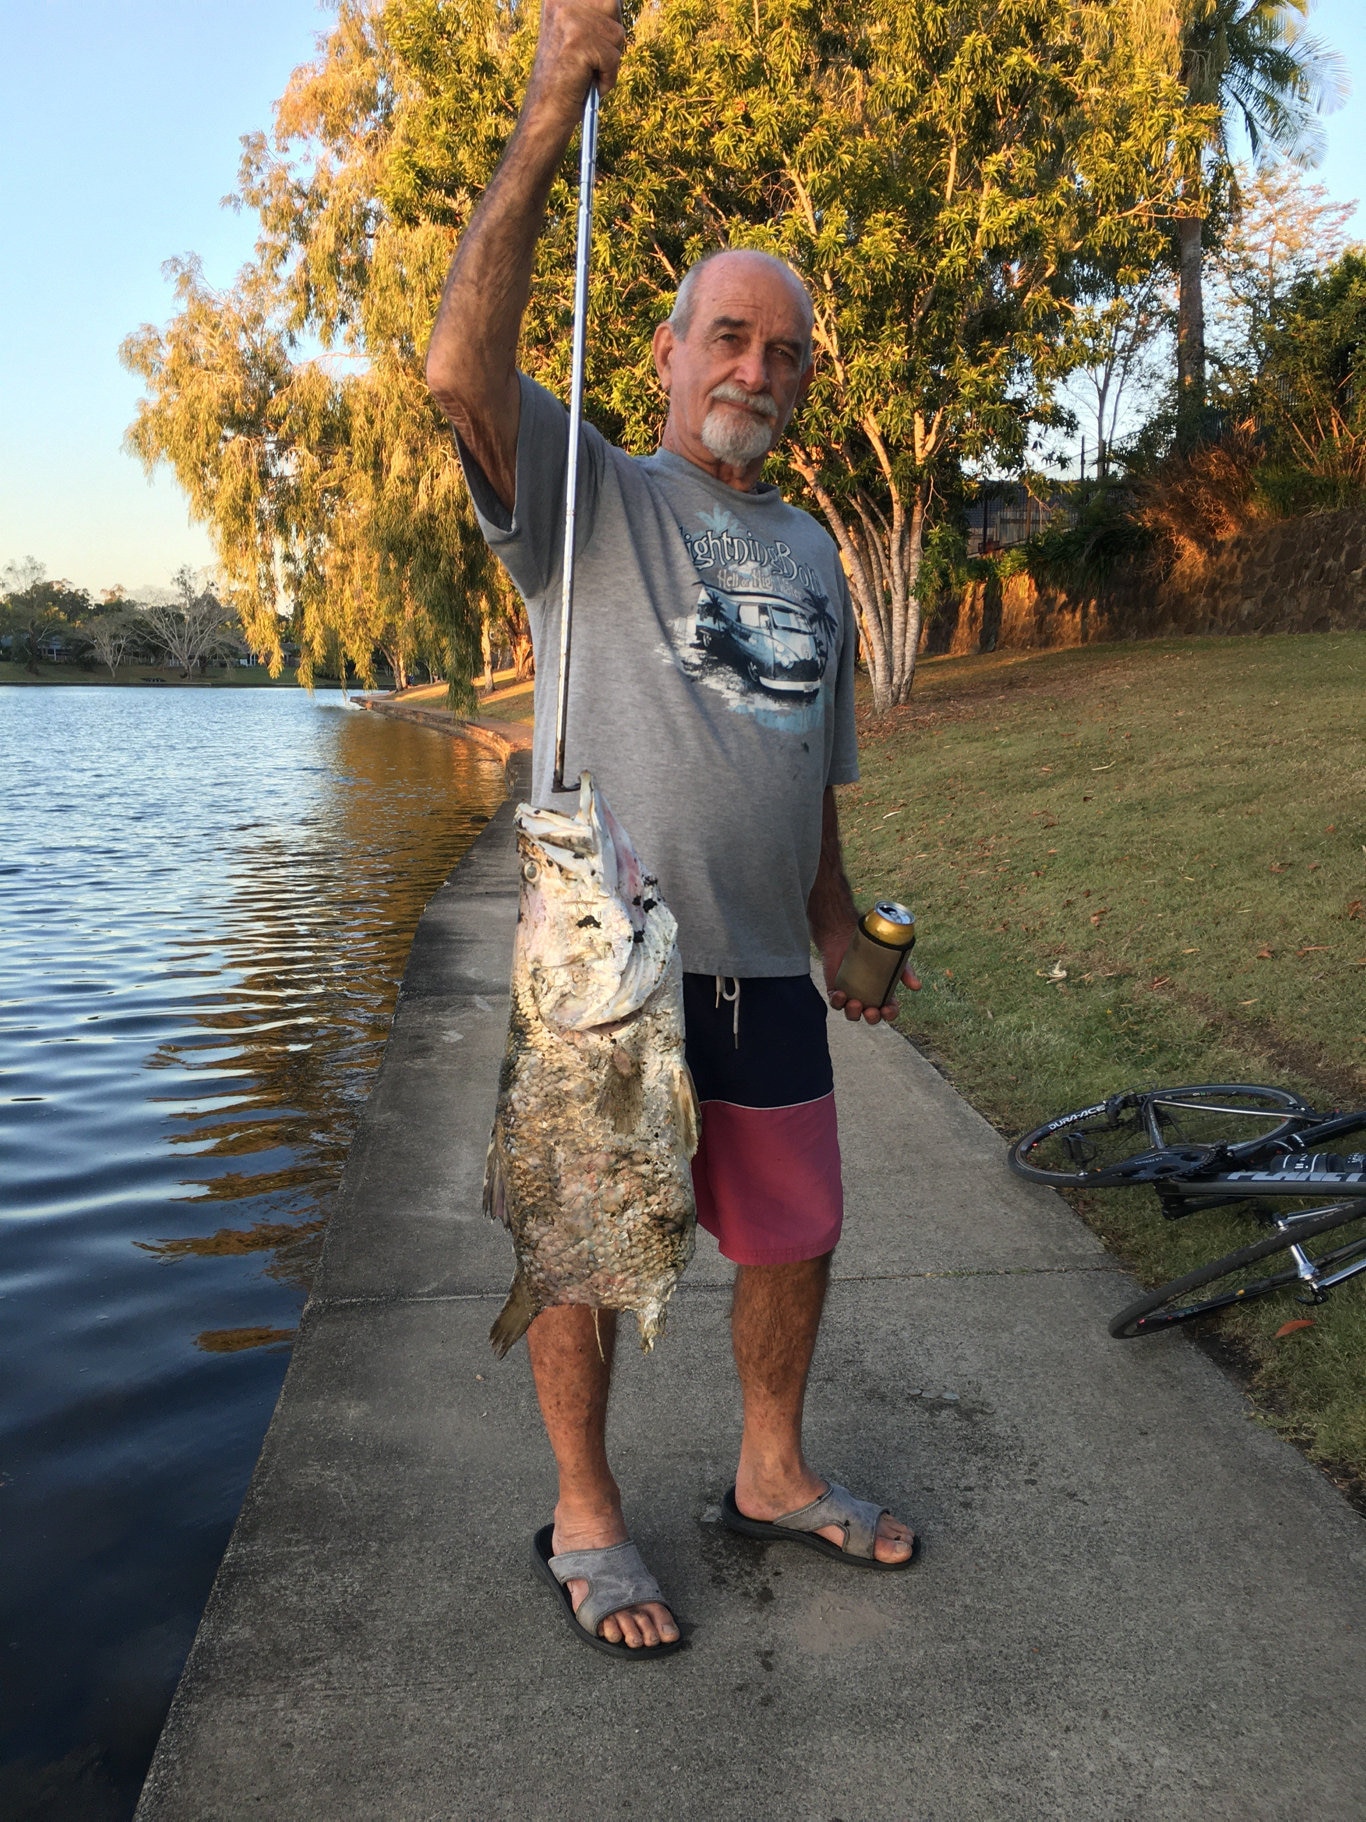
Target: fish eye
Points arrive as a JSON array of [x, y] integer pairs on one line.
[[530, 872]]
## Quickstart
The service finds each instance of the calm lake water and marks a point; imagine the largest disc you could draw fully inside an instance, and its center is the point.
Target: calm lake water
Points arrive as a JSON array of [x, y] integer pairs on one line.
[[206, 901]]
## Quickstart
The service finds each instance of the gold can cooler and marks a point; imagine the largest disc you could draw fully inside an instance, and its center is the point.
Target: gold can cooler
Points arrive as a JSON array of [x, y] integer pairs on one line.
[[875, 958]]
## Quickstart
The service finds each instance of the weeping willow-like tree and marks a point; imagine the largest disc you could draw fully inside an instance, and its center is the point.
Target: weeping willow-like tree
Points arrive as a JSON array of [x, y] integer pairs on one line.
[[953, 178], [327, 481]]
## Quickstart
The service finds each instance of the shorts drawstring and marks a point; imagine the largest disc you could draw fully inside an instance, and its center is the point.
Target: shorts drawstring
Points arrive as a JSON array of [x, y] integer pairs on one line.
[[732, 998]]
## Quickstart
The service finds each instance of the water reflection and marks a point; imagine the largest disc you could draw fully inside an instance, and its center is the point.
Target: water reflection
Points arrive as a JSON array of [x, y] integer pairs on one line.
[[207, 900]]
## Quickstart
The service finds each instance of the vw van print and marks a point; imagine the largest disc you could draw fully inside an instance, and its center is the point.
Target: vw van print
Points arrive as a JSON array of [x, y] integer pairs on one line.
[[778, 645]]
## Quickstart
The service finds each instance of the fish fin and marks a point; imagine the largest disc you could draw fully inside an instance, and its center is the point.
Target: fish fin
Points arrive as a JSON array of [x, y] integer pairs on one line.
[[623, 1091], [687, 1112], [650, 1322], [495, 1187], [515, 1317]]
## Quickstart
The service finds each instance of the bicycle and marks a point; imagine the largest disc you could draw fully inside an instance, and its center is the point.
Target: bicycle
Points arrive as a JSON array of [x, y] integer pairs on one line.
[[1219, 1145]]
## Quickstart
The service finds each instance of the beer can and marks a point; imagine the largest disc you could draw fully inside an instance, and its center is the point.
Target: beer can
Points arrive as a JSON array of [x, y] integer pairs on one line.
[[873, 962]]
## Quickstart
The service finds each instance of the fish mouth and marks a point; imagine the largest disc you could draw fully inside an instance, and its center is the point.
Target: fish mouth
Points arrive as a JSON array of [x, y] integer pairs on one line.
[[574, 843]]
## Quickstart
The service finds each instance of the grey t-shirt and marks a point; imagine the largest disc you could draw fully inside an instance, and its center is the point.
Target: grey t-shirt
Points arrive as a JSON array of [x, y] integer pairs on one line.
[[711, 677]]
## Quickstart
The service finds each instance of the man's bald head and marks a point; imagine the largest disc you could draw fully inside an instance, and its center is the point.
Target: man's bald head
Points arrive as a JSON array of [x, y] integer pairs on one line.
[[735, 360], [734, 259]]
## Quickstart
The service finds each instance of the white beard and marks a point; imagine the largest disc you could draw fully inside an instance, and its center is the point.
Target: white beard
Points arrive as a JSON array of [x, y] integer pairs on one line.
[[735, 437]]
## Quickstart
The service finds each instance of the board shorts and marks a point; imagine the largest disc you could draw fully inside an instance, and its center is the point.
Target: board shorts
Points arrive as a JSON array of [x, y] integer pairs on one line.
[[767, 1170]]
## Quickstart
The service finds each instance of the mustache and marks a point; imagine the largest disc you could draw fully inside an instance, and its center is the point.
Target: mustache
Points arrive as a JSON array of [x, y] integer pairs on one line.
[[761, 402]]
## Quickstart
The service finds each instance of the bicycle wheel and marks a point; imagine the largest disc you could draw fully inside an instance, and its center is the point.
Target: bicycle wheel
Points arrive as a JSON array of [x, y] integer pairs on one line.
[[1241, 1276], [1091, 1147]]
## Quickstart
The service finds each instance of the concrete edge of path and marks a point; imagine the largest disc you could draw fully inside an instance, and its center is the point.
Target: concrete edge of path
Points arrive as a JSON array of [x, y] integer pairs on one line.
[[504, 739]]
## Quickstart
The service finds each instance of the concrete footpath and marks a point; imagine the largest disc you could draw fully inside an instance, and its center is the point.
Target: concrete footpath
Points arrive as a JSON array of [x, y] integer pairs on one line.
[[1133, 1600]]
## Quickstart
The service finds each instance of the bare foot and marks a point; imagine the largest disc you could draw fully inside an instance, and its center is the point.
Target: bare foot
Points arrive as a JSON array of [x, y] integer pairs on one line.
[[650, 1623], [893, 1543]]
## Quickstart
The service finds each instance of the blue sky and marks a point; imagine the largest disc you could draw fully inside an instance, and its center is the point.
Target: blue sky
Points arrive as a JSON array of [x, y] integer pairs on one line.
[[118, 136]]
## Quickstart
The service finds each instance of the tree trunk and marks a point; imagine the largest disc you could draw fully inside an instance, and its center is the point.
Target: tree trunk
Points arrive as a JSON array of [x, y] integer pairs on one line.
[[1190, 333], [910, 609], [486, 646]]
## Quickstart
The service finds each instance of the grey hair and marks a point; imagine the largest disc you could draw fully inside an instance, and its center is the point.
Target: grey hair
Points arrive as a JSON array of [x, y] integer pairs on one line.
[[685, 300]]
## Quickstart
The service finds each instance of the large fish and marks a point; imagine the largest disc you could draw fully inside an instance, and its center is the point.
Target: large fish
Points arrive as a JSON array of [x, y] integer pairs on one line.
[[597, 1116]]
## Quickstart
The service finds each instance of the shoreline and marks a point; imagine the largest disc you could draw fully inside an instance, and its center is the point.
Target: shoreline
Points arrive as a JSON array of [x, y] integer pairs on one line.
[[501, 738]]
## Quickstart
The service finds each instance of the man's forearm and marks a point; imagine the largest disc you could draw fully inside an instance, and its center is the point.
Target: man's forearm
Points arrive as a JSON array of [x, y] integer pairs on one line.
[[830, 910], [472, 355]]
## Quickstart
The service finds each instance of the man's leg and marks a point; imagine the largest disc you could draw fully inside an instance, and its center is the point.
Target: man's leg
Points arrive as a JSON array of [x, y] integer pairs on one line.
[[572, 1381], [774, 1319]]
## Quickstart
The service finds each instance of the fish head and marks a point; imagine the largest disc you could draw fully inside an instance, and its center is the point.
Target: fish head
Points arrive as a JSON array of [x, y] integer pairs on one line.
[[593, 933]]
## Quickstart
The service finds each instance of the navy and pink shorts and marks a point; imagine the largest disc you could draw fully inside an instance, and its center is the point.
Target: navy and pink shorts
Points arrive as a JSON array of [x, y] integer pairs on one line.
[[767, 1170]]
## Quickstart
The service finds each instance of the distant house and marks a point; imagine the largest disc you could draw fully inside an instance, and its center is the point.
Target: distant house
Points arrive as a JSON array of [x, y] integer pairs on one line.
[[1006, 513]]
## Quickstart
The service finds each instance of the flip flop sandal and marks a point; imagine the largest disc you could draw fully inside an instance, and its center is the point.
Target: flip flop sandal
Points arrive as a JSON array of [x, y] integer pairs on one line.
[[858, 1519], [616, 1578]]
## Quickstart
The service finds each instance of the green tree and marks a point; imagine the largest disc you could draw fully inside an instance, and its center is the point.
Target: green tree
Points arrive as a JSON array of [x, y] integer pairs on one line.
[[38, 614], [1308, 397], [1250, 63], [951, 176]]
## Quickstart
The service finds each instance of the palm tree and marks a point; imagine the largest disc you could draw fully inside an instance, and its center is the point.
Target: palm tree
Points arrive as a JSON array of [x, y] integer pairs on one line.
[[1255, 62]]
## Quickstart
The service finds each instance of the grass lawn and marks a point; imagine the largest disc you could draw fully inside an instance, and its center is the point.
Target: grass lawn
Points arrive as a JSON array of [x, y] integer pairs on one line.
[[1181, 827]]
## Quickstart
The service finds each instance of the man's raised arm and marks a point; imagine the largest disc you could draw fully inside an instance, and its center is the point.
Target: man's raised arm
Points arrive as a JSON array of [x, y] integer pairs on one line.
[[472, 356]]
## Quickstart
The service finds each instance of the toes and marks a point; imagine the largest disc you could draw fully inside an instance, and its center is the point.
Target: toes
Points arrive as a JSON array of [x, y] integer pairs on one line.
[[640, 1627], [666, 1626], [894, 1541]]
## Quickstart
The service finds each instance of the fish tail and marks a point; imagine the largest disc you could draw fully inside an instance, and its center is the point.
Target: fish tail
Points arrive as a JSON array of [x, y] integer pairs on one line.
[[515, 1317]]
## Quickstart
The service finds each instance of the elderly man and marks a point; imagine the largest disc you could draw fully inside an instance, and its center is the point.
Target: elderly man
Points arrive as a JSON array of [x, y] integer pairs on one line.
[[712, 697]]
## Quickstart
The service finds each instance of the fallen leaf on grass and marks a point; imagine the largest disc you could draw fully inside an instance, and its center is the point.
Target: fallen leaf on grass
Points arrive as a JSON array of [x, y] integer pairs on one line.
[[1264, 955], [1163, 980], [891, 813], [1312, 949], [1247, 1002], [1105, 768], [1277, 866], [1290, 1328], [1056, 973], [1354, 911], [1097, 915], [1194, 951]]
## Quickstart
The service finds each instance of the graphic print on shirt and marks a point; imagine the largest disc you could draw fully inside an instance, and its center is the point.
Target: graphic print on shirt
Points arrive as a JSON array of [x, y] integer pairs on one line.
[[762, 631]]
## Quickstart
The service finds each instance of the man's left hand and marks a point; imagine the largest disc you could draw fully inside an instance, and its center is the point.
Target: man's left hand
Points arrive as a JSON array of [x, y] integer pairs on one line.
[[832, 954]]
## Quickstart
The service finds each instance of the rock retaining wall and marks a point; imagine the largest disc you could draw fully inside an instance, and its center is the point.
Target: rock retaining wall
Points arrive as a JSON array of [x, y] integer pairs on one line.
[[1303, 575]]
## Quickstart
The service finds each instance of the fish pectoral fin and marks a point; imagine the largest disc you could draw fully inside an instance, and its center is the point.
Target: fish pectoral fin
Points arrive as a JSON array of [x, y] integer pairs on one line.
[[515, 1317], [687, 1112], [622, 1094], [495, 1186]]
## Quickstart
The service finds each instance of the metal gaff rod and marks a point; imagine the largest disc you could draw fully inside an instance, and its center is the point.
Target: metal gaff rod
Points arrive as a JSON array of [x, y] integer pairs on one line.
[[588, 164]]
